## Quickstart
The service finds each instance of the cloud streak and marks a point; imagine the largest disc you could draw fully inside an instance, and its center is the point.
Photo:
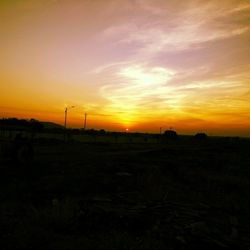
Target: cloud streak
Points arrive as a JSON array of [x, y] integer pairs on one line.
[[180, 35]]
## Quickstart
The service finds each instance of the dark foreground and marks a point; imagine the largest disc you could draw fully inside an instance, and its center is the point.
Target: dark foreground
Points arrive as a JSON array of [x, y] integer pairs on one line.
[[184, 194]]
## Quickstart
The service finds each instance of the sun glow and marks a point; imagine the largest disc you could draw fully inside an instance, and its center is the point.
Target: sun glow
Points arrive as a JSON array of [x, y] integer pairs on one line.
[[138, 86], [146, 76]]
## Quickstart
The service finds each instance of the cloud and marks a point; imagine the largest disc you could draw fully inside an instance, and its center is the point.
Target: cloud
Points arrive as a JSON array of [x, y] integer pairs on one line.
[[191, 24], [134, 59], [184, 31], [196, 40]]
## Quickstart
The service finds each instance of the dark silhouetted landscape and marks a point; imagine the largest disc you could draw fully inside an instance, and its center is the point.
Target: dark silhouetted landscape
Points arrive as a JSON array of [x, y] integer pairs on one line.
[[89, 189]]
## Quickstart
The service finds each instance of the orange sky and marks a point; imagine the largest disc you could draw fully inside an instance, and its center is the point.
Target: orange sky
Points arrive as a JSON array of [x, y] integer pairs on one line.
[[137, 64]]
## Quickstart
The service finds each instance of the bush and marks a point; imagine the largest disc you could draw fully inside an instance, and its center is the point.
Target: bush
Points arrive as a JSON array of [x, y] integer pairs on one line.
[[201, 136], [170, 134]]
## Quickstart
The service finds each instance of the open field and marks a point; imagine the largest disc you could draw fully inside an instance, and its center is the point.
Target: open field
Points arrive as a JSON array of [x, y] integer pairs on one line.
[[181, 194]]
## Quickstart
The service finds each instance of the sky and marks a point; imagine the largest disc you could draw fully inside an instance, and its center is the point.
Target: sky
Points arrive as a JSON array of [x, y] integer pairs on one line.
[[134, 64]]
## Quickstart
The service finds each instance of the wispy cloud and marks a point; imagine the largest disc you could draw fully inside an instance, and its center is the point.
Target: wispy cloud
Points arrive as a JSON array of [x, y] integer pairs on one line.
[[131, 60], [191, 24], [170, 68]]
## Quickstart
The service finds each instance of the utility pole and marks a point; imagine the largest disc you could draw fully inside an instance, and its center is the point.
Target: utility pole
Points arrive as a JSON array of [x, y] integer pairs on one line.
[[85, 121], [66, 114], [65, 120], [65, 117]]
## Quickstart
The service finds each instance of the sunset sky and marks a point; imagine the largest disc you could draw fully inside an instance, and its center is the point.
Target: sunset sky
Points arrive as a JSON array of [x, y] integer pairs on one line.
[[136, 64]]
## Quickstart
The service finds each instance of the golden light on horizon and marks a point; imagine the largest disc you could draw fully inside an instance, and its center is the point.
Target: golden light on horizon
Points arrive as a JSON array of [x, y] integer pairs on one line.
[[129, 64]]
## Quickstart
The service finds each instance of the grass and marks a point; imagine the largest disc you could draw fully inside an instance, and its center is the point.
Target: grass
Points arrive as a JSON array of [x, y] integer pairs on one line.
[[182, 194]]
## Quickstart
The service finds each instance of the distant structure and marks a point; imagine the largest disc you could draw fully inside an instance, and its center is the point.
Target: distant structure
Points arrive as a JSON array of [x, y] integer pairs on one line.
[[85, 121], [65, 115]]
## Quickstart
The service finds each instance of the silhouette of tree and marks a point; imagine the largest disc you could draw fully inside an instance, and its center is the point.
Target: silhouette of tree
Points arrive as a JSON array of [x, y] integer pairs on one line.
[[170, 134], [201, 136], [102, 132], [35, 125]]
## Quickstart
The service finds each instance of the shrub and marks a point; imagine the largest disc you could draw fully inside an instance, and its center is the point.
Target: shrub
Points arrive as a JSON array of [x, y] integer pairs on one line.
[[201, 136], [170, 134]]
